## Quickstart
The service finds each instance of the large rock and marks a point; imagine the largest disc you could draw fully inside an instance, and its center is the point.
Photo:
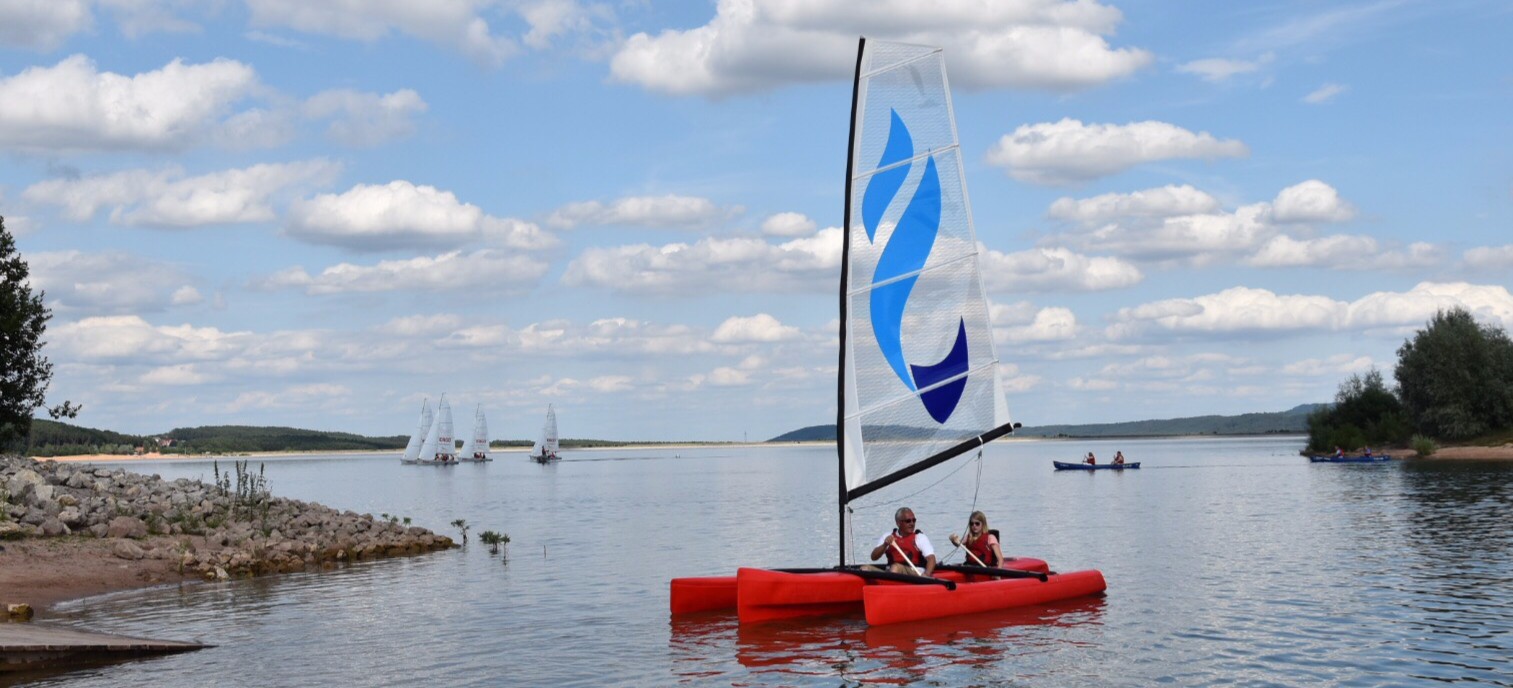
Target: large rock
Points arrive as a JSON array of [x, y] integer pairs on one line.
[[126, 549], [22, 483], [126, 527], [53, 527]]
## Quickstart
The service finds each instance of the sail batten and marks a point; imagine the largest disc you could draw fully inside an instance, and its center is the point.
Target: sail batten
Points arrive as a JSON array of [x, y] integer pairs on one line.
[[917, 158], [918, 377]]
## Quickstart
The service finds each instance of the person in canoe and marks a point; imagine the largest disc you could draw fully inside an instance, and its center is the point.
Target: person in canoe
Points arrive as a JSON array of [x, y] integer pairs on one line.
[[980, 543], [1338, 453], [910, 541], [1367, 453], [1090, 460], [1118, 458]]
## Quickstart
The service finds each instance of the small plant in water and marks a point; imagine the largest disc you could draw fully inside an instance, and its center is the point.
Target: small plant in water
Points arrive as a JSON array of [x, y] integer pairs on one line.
[[493, 540], [462, 525]]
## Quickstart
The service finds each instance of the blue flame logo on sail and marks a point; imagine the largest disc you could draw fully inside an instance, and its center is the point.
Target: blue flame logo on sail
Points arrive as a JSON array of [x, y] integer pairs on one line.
[[907, 250]]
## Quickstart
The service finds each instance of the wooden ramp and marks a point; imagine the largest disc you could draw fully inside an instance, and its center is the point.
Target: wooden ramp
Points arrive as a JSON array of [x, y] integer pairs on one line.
[[29, 646]]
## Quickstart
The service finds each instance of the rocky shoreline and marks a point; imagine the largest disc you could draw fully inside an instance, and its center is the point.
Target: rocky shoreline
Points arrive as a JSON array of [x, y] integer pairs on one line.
[[57, 519]]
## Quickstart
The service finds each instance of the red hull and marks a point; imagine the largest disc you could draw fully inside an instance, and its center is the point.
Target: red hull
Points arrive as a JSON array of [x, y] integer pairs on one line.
[[890, 604], [764, 595], [691, 595]]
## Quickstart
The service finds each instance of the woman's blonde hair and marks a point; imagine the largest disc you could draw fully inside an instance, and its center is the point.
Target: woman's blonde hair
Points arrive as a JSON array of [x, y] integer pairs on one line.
[[978, 516]]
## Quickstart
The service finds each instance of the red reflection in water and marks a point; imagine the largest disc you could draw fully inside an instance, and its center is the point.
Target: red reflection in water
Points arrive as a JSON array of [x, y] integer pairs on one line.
[[847, 647]]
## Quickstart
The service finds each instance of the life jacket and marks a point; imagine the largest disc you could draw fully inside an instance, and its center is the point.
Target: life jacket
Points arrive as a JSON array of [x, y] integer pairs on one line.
[[909, 547], [982, 548]]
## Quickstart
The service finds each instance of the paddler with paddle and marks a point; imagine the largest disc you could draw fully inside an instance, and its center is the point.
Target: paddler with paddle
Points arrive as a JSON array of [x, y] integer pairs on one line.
[[981, 544], [907, 549]]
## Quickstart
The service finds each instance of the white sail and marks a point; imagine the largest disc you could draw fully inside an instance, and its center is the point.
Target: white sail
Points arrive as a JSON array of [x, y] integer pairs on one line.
[[919, 377], [549, 432], [479, 449], [412, 449], [446, 442], [432, 441]]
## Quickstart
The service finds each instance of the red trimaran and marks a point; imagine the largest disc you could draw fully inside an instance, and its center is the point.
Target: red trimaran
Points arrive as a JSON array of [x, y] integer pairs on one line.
[[918, 376]]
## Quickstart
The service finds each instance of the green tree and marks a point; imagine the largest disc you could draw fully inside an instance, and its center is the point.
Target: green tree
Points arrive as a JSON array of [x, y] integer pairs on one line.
[[24, 371], [1455, 377], [1365, 412]]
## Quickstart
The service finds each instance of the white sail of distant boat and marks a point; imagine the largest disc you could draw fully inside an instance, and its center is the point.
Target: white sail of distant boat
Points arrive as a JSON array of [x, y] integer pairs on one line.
[[439, 446], [412, 449], [446, 442], [478, 449], [546, 448]]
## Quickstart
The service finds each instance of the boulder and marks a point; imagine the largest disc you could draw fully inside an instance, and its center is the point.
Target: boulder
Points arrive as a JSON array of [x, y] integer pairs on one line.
[[53, 527], [126, 527], [126, 549], [19, 612]]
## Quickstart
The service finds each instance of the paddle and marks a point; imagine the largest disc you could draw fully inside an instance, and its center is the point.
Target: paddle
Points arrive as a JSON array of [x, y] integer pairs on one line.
[[905, 557]]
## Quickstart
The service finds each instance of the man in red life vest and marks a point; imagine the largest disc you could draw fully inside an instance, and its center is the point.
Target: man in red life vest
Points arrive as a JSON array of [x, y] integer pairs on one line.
[[913, 543]]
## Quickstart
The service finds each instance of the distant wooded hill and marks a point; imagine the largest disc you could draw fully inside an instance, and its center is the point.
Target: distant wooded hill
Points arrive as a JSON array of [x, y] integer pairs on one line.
[[1291, 421], [51, 438]]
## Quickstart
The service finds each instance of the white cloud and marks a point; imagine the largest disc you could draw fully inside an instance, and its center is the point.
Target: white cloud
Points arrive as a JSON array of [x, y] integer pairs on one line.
[[1334, 366], [1053, 324], [129, 338], [670, 211], [1068, 151], [186, 296], [428, 325], [1166, 201], [108, 282], [755, 45], [1218, 69], [73, 107], [1490, 257], [1342, 252], [168, 199], [1202, 238], [485, 270], [457, 24], [174, 375], [713, 264], [757, 328], [1055, 269], [1324, 94], [403, 215], [366, 119], [1311, 201], [291, 397], [1086, 384], [1245, 310], [42, 25], [788, 225]]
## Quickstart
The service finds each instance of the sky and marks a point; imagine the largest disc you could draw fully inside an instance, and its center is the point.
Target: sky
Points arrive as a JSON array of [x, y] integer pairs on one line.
[[318, 213]]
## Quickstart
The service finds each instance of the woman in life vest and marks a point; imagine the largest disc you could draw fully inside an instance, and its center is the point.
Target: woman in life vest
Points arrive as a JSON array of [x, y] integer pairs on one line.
[[1090, 460], [911, 542], [979, 542], [1118, 458]]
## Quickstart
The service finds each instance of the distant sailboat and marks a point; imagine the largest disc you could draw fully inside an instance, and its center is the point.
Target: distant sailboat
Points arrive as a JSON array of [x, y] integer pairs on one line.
[[412, 449], [478, 450], [439, 447], [546, 447]]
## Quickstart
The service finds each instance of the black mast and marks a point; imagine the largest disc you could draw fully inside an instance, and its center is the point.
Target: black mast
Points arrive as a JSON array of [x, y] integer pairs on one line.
[[840, 397]]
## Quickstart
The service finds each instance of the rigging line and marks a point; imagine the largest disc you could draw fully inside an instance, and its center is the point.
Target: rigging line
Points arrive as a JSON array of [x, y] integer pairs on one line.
[[975, 490], [916, 494]]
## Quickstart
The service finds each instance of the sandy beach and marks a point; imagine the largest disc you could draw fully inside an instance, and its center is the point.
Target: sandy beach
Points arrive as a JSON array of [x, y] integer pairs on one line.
[[44, 571]]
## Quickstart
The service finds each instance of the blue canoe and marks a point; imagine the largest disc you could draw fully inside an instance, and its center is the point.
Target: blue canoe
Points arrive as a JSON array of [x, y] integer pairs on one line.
[[1063, 466], [1349, 459]]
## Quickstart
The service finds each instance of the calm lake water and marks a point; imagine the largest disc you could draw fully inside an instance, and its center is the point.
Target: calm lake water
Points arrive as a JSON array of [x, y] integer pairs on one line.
[[1229, 562]]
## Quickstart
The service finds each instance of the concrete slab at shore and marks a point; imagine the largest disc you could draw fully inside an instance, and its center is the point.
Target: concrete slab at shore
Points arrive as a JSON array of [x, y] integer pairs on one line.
[[29, 646]]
